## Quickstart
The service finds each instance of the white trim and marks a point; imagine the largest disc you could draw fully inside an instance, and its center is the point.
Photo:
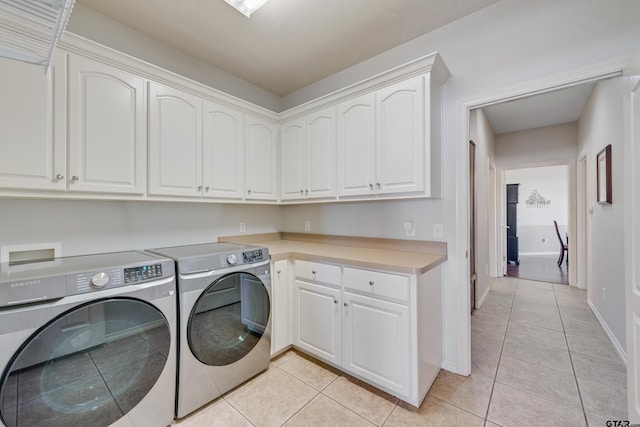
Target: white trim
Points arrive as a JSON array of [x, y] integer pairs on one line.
[[483, 297], [610, 335], [459, 263]]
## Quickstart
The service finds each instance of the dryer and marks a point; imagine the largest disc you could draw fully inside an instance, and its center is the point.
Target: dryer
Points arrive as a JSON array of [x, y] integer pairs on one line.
[[88, 341], [225, 331]]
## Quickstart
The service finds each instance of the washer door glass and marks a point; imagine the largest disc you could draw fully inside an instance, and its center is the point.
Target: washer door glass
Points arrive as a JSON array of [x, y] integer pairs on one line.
[[87, 367], [228, 319]]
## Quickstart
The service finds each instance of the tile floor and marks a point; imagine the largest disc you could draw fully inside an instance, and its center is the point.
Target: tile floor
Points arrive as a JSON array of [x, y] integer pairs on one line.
[[539, 358]]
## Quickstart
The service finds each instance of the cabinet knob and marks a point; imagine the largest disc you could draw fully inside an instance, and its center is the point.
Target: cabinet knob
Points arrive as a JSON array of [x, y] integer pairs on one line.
[[335, 300], [206, 188], [74, 178], [371, 282], [249, 191], [378, 185], [370, 186], [278, 271], [301, 192], [199, 187], [59, 176], [313, 272], [306, 192], [346, 304]]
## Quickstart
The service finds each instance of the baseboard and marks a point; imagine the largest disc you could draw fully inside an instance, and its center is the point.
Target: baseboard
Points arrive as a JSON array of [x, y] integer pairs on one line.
[[483, 296], [612, 337]]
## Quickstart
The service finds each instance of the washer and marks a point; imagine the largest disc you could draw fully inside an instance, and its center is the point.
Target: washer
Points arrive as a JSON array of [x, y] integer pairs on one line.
[[88, 341], [225, 331]]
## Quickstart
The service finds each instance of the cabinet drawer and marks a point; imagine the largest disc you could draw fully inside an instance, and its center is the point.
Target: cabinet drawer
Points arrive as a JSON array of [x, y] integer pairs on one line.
[[378, 284], [318, 272]]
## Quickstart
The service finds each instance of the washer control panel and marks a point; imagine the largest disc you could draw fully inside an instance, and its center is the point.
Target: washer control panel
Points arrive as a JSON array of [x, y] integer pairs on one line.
[[253, 256], [144, 272]]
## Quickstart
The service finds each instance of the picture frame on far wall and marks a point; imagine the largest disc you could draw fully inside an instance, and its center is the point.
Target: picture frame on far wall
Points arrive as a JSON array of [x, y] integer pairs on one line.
[[603, 174]]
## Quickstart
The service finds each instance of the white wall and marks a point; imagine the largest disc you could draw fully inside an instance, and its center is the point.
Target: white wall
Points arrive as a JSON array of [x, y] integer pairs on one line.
[[106, 226], [536, 232], [541, 145], [97, 27], [481, 133], [601, 124]]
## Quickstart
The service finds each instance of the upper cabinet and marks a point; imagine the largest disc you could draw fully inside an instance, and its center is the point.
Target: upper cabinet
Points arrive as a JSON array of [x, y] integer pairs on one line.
[[308, 153], [260, 159], [104, 125], [33, 125], [175, 142], [107, 129]]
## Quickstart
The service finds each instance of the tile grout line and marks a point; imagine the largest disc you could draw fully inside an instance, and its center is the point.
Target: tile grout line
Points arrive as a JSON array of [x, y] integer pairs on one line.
[[564, 333], [493, 384]]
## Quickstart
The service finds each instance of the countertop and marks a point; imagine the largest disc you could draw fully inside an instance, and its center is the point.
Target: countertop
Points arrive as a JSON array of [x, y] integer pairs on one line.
[[402, 256]]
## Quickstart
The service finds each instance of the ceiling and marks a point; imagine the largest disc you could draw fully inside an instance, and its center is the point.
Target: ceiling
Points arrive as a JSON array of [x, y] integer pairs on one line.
[[548, 109], [287, 44]]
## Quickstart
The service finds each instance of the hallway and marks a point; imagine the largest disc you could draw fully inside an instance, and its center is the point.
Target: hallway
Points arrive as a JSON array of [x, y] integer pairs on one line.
[[539, 357]]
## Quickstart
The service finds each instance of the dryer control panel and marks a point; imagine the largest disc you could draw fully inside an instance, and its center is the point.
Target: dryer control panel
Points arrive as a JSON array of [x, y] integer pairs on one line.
[[137, 274], [253, 256]]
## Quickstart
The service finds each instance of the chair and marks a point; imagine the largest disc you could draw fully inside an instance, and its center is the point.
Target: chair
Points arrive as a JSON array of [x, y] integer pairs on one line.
[[564, 247]]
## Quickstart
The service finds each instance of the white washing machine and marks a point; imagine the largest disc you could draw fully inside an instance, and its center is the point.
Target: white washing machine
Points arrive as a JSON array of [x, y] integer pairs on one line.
[[88, 341], [224, 307]]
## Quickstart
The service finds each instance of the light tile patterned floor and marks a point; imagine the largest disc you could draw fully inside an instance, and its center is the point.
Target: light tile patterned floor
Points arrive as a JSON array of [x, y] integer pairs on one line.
[[539, 358]]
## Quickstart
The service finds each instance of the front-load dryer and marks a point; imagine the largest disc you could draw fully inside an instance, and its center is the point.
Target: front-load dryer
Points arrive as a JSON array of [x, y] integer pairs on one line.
[[225, 331], [88, 341]]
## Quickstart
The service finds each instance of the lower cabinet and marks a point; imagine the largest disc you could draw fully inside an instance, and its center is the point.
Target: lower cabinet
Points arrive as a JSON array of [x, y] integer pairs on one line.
[[384, 328], [377, 341]]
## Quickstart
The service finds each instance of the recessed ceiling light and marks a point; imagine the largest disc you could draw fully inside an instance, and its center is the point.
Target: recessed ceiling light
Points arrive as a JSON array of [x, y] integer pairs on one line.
[[246, 7]]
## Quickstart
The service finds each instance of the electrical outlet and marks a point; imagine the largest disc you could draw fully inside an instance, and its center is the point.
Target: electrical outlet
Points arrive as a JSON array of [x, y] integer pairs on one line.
[[243, 227], [604, 294], [307, 226], [437, 230], [409, 228]]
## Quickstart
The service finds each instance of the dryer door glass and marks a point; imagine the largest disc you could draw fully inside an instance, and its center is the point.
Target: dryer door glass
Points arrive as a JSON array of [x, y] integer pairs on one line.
[[87, 367], [228, 319]]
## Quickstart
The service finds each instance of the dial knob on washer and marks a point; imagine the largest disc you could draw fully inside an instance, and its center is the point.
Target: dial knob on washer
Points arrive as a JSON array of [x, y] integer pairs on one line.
[[232, 259], [100, 280]]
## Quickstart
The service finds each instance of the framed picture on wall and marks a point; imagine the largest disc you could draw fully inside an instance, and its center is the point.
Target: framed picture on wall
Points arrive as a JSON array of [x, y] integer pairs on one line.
[[603, 173]]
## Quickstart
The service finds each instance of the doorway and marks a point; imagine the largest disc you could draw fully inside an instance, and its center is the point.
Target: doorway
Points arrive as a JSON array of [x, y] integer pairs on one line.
[[540, 201]]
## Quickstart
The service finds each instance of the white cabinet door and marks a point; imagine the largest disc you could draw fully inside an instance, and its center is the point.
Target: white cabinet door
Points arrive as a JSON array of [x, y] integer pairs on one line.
[[281, 309], [33, 125], [107, 128], [222, 151], [400, 120], [318, 328], [175, 142], [320, 135], [377, 344], [292, 160], [261, 159], [357, 147]]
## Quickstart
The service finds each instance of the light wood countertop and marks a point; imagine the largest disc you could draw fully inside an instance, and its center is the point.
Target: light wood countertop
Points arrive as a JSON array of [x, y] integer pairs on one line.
[[402, 256]]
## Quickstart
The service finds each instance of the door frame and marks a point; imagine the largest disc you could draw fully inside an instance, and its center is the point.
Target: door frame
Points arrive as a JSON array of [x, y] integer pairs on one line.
[[473, 223], [582, 235], [459, 264]]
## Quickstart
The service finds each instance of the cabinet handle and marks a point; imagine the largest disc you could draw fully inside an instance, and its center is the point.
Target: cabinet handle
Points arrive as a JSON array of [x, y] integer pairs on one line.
[[371, 282], [370, 186], [199, 187], [301, 192], [249, 191], [206, 188], [378, 185], [278, 271], [306, 192], [335, 300], [346, 304], [59, 176], [74, 178]]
